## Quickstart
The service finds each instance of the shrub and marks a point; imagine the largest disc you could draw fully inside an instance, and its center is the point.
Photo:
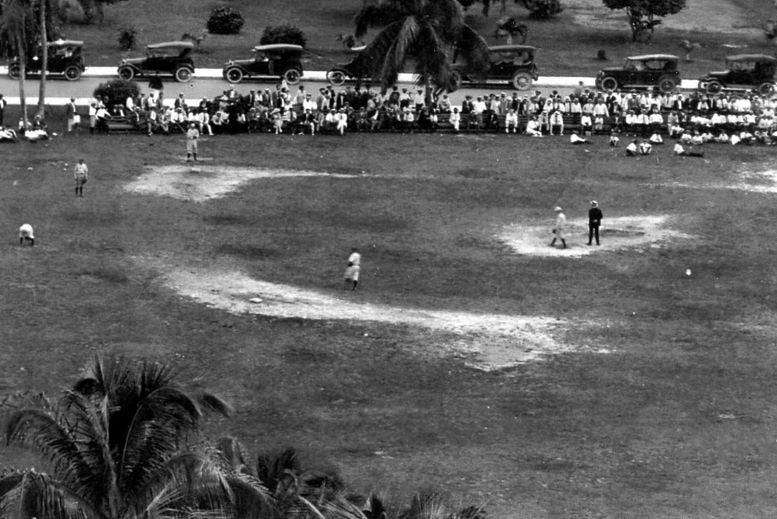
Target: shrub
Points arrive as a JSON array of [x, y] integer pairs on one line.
[[116, 91], [283, 34], [225, 20], [127, 38], [543, 8]]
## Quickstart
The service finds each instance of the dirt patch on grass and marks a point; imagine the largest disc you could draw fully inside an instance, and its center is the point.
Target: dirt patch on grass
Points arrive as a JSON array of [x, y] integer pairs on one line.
[[201, 183], [764, 181], [485, 341], [616, 233], [700, 15]]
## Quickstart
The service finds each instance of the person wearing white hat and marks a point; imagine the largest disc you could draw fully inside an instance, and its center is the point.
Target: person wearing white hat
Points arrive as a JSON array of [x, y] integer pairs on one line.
[[594, 221], [192, 136], [558, 230], [26, 234]]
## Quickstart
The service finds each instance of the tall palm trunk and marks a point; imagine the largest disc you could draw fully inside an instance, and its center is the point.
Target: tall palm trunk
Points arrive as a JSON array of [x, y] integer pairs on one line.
[[44, 64]]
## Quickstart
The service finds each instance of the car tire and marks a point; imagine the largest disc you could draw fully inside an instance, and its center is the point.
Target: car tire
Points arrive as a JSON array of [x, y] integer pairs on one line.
[[233, 75], [14, 71], [292, 76], [72, 73], [521, 80], [336, 77], [183, 74], [126, 73], [608, 83], [714, 87], [667, 84], [766, 89]]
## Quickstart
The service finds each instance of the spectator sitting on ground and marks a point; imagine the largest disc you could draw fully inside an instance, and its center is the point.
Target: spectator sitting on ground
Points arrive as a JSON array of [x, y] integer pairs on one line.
[[533, 127], [556, 122], [656, 139], [645, 148], [586, 124], [576, 139], [7, 135], [511, 121], [455, 119], [680, 151], [632, 148], [614, 139]]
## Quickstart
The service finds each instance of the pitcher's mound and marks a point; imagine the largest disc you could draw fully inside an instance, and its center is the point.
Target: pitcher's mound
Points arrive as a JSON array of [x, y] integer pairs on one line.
[[616, 233], [197, 182]]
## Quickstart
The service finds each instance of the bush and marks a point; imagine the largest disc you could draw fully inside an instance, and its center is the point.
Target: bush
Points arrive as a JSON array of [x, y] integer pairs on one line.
[[127, 38], [543, 8], [116, 91], [225, 20], [283, 34]]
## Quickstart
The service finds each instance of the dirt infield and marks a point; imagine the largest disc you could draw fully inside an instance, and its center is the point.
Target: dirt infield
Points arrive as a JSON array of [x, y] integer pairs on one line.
[[616, 233], [201, 183], [485, 341]]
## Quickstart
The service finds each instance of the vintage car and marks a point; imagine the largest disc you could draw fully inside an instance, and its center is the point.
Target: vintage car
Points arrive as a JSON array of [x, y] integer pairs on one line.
[[356, 69], [646, 71], [743, 72], [277, 60], [513, 64], [64, 57], [172, 58]]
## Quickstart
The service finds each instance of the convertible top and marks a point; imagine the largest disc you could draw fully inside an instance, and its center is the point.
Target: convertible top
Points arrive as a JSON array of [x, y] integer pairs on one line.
[[503, 48], [648, 57], [171, 44], [279, 47], [65, 43], [763, 58]]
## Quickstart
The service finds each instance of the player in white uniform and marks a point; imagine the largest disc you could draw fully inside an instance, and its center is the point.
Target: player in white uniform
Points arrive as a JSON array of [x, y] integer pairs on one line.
[[353, 269], [26, 235], [558, 230]]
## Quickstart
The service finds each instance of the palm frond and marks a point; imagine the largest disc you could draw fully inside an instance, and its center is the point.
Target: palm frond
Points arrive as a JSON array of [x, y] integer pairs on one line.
[[375, 14], [31, 494], [272, 469], [232, 452], [472, 48], [215, 404], [447, 16], [432, 63], [406, 41]]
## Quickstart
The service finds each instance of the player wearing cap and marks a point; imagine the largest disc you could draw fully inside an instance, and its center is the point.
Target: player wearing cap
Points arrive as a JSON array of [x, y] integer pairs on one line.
[[558, 229]]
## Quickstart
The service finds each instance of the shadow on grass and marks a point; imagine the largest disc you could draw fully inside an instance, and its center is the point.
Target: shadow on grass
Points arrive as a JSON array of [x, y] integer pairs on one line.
[[246, 251]]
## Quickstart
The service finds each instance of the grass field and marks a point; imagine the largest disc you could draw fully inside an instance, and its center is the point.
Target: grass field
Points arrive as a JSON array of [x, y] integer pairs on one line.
[[661, 406], [587, 23]]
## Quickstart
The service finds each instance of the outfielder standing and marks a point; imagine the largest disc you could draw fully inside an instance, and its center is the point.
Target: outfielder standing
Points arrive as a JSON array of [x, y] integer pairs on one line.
[[80, 174], [192, 135], [594, 221], [353, 269]]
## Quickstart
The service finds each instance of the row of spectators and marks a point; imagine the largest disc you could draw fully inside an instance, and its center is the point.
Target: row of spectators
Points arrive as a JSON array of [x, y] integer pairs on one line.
[[281, 110]]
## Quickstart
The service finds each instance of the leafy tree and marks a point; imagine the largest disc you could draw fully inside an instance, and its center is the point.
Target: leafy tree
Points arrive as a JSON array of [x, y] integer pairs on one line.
[[14, 19], [283, 34], [122, 443], [424, 32], [536, 8], [95, 9], [225, 20], [643, 14]]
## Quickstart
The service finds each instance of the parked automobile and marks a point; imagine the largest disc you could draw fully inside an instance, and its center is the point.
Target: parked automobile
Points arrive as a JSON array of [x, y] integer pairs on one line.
[[645, 71], [277, 60], [64, 57], [743, 72], [173, 57], [513, 64]]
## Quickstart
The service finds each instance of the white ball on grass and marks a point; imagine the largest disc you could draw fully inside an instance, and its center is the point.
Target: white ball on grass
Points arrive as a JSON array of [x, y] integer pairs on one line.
[[688, 272]]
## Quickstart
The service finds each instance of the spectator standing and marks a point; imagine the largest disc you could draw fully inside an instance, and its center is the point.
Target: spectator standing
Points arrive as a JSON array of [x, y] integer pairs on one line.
[[72, 115], [80, 175], [192, 136], [3, 104], [353, 269], [559, 228], [594, 221]]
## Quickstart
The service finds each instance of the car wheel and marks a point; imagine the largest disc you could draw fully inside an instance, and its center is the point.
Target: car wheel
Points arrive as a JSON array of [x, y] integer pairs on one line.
[[456, 81], [714, 87], [292, 76], [233, 75], [183, 74], [126, 73], [335, 77], [14, 71], [667, 84], [766, 89], [522, 80], [609, 83], [72, 73]]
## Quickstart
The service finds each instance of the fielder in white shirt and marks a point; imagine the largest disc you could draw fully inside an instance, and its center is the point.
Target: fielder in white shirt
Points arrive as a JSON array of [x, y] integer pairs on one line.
[[353, 269]]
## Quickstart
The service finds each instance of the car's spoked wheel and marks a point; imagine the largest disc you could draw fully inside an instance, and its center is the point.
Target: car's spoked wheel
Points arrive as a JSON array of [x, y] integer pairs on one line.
[[609, 83], [183, 74], [234, 75], [335, 77], [14, 71], [72, 73], [292, 76], [126, 73], [521, 81]]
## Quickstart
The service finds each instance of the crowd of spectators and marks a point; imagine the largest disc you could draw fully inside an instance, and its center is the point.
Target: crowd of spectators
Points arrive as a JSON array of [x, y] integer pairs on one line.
[[693, 118]]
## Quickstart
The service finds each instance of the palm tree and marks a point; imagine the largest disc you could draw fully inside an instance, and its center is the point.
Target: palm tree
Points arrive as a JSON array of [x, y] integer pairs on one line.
[[15, 14], [425, 32], [122, 443], [44, 65]]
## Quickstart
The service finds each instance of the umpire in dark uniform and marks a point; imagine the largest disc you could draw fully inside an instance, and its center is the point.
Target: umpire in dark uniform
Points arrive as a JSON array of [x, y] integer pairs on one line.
[[594, 221]]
